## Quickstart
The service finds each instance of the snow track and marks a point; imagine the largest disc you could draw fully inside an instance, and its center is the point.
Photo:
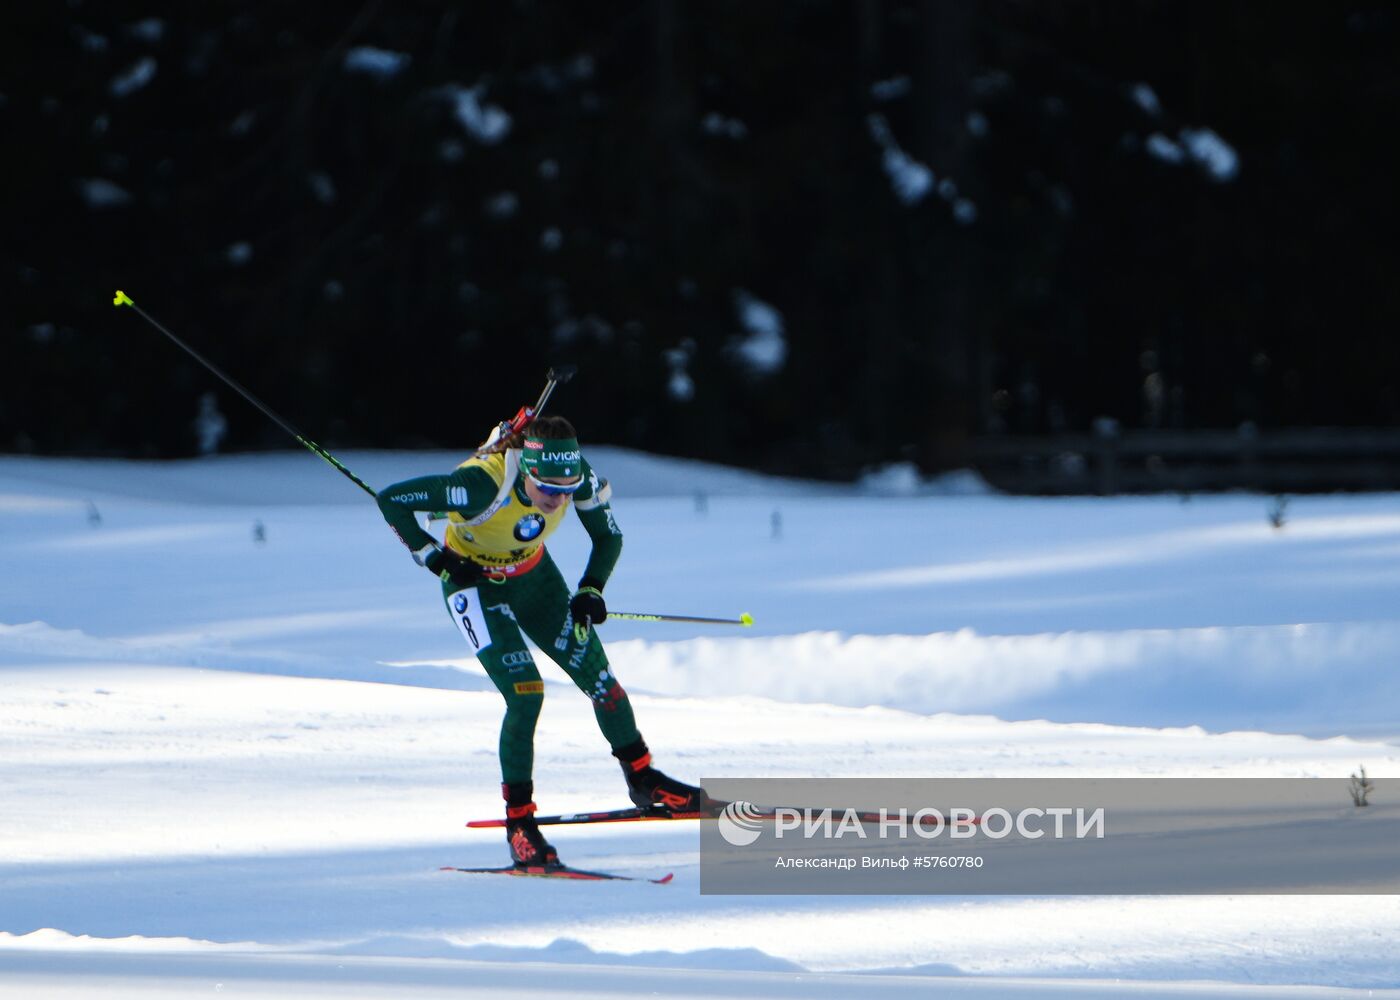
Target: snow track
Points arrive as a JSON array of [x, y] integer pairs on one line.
[[225, 761]]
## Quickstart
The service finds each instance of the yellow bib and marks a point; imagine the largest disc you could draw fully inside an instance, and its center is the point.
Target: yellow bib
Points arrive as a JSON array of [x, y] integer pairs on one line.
[[509, 531]]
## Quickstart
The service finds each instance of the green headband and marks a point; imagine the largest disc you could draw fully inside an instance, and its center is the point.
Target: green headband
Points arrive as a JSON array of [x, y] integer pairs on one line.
[[551, 458]]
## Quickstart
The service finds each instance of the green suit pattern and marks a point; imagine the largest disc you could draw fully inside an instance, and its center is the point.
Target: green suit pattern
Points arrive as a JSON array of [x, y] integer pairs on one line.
[[496, 615], [536, 604]]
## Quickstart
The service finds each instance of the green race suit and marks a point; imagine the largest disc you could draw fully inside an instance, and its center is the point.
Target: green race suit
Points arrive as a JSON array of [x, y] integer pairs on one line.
[[492, 522]]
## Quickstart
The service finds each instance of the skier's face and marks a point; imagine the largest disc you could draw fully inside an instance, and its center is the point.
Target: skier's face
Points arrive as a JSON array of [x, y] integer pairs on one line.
[[547, 502]]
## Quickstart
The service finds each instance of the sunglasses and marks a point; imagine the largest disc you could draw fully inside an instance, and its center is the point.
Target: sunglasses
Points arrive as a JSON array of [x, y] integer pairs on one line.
[[554, 489]]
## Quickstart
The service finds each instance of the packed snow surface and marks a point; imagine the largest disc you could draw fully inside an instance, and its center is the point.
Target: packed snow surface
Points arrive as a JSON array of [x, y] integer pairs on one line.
[[239, 735]]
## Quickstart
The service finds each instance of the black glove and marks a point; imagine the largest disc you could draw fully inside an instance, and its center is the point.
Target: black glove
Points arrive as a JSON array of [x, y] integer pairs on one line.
[[452, 568], [587, 604]]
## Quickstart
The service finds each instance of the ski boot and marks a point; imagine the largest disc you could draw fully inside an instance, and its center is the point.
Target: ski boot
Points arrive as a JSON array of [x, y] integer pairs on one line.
[[651, 789], [528, 848]]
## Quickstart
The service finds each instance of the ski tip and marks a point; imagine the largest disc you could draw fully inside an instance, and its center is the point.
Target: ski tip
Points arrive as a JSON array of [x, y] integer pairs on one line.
[[664, 879], [746, 619], [482, 824], [121, 299]]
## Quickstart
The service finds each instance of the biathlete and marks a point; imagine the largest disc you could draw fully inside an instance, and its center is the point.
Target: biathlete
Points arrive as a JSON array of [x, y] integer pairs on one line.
[[501, 585]]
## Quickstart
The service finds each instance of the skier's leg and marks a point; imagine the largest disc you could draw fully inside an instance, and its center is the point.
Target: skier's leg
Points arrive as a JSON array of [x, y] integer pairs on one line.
[[546, 620], [541, 602], [483, 616]]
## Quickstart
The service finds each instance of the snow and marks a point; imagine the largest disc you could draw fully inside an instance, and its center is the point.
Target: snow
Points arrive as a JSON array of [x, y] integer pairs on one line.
[[322, 186], [501, 205], [136, 76], [1212, 152], [764, 348], [148, 29], [378, 63], [891, 89], [720, 125], [486, 123], [680, 386], [98, 192], [210, 425], [1146, 99], [236, 765], [1203, 147], [911, 180], [90, 41], [1165, 149]]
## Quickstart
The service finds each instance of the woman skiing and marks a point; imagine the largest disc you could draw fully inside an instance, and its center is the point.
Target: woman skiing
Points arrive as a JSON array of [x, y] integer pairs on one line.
[[501, 586]]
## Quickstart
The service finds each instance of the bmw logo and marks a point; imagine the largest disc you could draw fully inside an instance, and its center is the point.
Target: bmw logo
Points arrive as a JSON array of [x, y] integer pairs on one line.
[[529, 527], [460, 603]]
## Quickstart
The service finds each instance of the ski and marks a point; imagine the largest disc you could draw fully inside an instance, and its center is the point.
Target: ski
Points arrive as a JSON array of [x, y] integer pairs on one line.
[[629, 815], [638, 815], [560, 871]]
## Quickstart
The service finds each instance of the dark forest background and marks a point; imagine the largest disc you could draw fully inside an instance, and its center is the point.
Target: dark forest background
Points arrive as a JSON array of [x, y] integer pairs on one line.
[[972, 219]]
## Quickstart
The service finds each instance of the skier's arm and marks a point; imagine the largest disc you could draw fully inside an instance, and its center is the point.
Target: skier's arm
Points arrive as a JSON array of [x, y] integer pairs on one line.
[[595, 511], [465, 491]]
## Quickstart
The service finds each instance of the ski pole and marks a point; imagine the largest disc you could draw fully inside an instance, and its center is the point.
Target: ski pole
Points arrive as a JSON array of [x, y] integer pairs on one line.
[[745, 619], [122, 299], [556, 377]]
